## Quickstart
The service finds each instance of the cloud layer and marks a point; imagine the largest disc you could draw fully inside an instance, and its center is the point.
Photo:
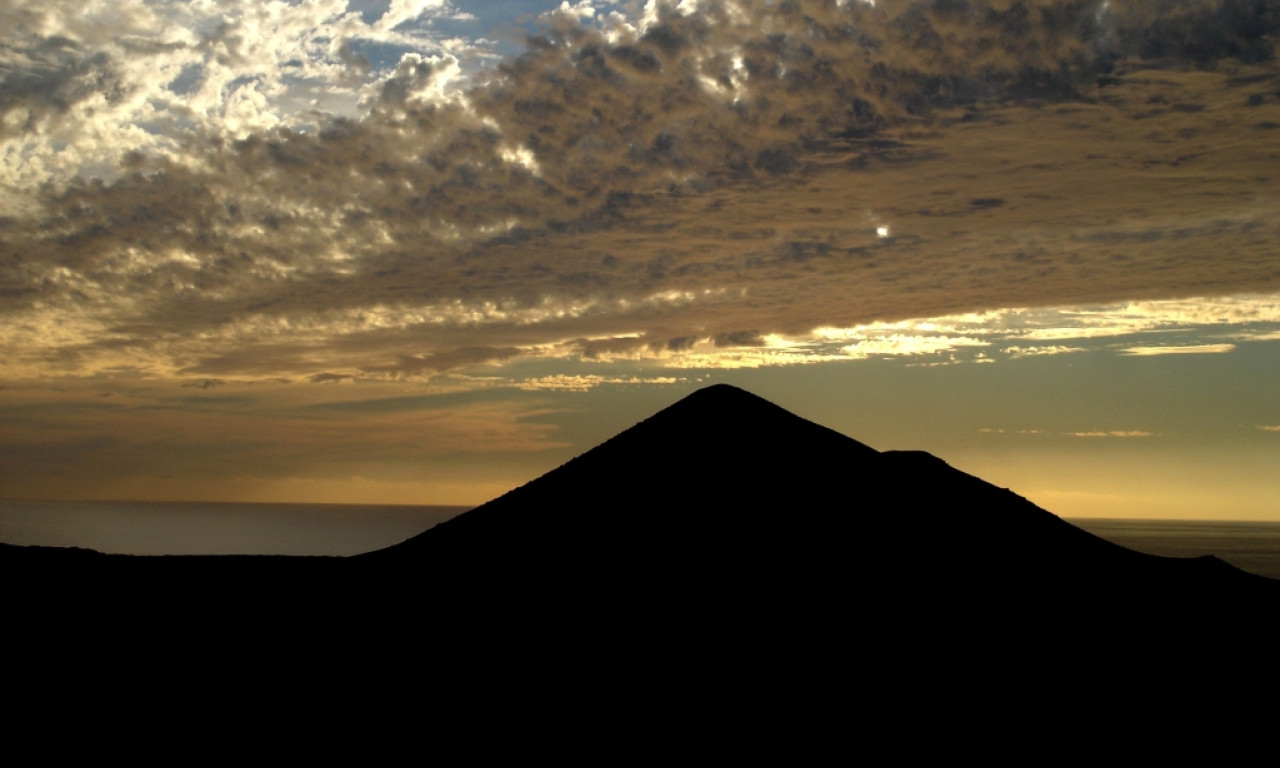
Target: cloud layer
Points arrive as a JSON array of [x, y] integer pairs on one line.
[[324, 191]]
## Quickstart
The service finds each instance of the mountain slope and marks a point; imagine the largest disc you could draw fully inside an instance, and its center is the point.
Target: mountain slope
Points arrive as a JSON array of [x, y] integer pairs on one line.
[[714, 467]]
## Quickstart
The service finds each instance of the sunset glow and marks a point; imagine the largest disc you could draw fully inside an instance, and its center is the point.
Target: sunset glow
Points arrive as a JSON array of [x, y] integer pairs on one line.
[[422, 252]]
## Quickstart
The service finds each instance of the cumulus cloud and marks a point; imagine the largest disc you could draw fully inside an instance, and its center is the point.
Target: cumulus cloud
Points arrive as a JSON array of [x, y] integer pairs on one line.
[[82, 87], [418, 78]]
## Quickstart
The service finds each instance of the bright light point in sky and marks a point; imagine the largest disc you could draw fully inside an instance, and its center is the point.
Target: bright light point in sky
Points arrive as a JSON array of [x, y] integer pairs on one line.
[[882, 231]]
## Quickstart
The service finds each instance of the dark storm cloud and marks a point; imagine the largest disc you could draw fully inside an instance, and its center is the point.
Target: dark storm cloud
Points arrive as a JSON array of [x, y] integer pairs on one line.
[[738, 339], [43, 77], [1185, 29], [765, 166]]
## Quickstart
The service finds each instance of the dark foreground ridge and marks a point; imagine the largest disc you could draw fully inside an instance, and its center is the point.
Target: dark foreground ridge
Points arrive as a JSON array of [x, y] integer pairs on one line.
[[723, 538]]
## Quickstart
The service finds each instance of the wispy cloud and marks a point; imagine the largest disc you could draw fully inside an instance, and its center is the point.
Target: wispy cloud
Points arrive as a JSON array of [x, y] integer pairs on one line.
[[1184, 349], [1114, 433], [901, 344], [1092, 433], [1038, 351], [582, 383]]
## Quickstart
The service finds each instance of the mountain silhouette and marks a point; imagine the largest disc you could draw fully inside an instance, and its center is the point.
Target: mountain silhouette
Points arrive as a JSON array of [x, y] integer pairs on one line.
[[726, 494], [722, 499], [723, 556]]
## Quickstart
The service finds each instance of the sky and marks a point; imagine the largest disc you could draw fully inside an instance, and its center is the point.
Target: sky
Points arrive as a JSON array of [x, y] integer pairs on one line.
[[422, 251]]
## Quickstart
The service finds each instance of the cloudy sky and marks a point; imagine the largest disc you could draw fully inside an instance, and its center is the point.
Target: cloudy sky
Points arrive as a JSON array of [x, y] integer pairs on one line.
[[422, 251]]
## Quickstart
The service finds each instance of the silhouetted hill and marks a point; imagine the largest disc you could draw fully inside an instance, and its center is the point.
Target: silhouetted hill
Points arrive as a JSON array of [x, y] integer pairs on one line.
[[726, 490]]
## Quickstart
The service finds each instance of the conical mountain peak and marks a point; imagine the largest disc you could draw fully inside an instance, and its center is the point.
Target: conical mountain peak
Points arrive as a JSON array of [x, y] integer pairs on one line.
[[716, 463], [722, 421], [724, 482]]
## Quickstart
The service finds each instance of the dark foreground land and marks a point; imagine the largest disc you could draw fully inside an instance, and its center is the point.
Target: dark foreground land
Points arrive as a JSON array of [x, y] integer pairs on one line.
[[786, 556]]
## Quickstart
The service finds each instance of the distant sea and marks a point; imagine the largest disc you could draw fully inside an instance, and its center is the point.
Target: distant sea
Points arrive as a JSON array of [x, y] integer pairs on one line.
[[214, 528], [1249, 546]]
